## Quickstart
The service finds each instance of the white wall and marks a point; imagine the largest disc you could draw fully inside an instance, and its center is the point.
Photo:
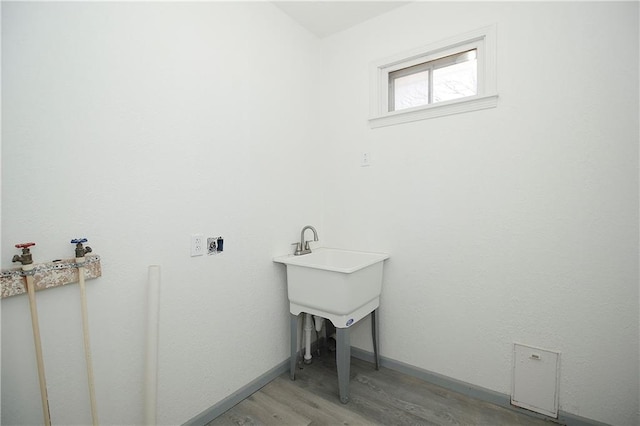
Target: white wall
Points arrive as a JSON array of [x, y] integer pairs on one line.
[[138, 124], [135, 125], [515, 224], [0, 207]]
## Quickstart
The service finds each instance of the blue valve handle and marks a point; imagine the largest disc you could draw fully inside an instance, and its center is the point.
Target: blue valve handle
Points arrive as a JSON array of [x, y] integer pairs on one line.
[[80, 250]]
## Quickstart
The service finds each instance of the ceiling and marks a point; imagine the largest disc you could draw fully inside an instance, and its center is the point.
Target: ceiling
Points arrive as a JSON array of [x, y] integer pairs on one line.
[[324, 18]]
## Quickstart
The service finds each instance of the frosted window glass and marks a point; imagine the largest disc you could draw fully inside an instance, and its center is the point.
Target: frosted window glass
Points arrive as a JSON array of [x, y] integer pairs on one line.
[[455, 81], [411, 90]]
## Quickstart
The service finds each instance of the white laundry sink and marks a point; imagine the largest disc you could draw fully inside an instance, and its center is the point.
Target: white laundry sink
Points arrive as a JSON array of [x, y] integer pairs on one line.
[[340, 285]]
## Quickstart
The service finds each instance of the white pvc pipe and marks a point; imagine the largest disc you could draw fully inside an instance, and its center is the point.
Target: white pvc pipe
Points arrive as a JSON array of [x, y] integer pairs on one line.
[[319, 322], [308, 327], [151, 370]]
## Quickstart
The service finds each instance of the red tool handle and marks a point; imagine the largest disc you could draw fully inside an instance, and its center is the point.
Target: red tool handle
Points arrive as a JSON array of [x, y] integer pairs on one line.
[[25, 245]]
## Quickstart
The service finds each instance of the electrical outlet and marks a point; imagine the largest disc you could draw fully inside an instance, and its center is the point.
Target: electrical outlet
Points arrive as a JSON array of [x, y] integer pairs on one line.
[[212, 245], [197, 245], [365, 159], [215, 245]]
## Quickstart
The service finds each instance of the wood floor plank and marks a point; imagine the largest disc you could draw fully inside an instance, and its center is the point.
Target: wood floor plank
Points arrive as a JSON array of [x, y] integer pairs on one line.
[[319, 409], [436, 406], [261, 409], [434, 403], [384, 397], [231, 417]]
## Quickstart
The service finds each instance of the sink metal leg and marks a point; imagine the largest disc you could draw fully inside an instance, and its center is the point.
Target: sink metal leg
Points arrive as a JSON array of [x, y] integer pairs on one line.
[[343, 361], [294, 345], [374, 337]]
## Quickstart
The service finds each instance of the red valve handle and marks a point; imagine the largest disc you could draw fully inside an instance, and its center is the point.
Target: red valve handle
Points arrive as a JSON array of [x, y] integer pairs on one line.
[[25, 245]]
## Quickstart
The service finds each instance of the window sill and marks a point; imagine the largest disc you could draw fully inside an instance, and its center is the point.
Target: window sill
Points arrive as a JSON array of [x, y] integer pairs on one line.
[[458, 106]]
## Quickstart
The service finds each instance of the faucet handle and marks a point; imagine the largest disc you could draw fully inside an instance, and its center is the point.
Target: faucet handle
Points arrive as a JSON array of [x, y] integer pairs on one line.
[[298, 248], [25, 258], [25, 245], [80, 249], [306, 244]]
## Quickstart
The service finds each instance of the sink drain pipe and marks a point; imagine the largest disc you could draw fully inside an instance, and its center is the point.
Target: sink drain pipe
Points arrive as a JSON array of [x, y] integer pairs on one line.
[[319, 323], [308, 327], [309, 322]]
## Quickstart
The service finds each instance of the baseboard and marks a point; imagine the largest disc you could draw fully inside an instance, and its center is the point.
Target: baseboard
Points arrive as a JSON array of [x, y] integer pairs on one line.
[[470, 390], [235, 398]]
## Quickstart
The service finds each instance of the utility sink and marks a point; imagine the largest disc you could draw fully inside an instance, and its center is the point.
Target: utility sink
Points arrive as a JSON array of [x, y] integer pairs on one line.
[[341, 285]]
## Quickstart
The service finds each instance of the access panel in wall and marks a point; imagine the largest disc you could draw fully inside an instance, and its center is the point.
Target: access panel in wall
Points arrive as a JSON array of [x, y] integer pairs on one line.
[[535, 379]]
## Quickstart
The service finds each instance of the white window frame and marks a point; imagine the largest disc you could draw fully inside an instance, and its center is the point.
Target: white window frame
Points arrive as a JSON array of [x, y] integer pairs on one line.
[[483, 39]]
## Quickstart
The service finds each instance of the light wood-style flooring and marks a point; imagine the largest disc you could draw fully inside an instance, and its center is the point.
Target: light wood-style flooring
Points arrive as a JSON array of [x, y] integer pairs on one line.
[[384, 397]]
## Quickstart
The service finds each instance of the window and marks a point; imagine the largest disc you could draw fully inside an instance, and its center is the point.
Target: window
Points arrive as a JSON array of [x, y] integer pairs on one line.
[[449, 77], [452, 77]]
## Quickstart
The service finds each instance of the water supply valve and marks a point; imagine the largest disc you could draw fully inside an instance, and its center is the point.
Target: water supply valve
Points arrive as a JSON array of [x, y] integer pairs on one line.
[[80, 249], [25, 258]]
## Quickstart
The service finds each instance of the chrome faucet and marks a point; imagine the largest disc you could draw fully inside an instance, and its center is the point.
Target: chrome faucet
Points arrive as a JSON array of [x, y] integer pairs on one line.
[[299, 246]]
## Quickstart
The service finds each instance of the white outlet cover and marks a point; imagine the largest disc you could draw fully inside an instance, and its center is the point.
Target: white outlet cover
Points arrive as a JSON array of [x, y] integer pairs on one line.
[[365, 159], [197, 245]]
